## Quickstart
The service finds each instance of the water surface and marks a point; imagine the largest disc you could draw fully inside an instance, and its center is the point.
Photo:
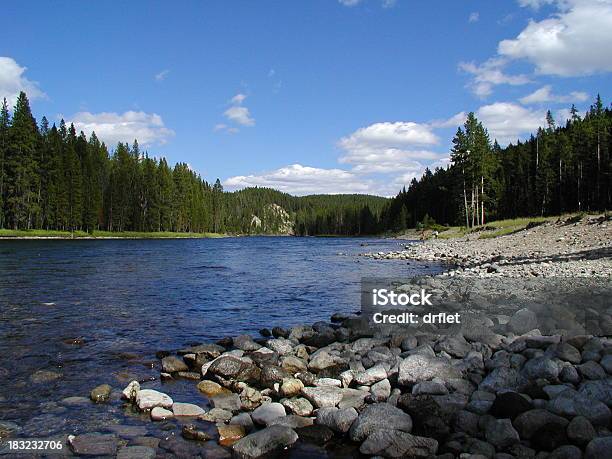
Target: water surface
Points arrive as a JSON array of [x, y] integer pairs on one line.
[[120, 301]]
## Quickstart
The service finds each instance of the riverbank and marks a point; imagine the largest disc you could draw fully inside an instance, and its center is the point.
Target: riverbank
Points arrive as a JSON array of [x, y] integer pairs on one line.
[[511, 382], [565, 246], [53, 234]]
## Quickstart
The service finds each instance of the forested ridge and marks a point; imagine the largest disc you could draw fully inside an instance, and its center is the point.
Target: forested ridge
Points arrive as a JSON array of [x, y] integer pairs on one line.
[[52, 177], [560, 168]]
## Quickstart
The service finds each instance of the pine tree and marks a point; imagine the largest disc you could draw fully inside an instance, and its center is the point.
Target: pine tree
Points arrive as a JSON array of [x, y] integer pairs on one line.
[[21, 166], [5, 122]]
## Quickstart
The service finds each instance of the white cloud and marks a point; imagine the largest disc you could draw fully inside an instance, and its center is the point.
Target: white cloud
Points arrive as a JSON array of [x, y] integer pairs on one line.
[[507, 121], [572, 42], [225, 128], [452, 122], [535, 4], [238, 99], [388, 147], [13, 81], [148, 128], [237, 114], [488, 74], [544, 94], [300, 180], [161, 76], [384, 3], [474, 17]]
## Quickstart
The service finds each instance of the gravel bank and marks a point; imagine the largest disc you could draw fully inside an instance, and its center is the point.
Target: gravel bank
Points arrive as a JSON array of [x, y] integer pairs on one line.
[[566, 247]]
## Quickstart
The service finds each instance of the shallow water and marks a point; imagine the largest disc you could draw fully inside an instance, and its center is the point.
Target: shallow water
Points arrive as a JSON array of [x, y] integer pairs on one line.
[[96, 312]]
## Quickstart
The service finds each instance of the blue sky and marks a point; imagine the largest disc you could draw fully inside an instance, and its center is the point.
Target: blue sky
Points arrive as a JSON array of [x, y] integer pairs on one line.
[[310, 96]]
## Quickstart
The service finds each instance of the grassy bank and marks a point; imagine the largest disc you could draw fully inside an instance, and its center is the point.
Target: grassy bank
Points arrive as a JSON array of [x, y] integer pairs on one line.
[[489, 230], [52, 234]]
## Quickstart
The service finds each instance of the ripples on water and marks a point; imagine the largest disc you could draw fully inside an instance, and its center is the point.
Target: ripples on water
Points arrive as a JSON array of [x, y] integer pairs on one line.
[[122, 300]]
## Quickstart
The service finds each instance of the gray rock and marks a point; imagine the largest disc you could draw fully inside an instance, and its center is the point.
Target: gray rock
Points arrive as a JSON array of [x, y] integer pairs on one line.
[[339, 420], [293, 364], [136, 452], [599, 390], [229, 402], [292, 421], [591, 370], [522, 321], [173, 364], [565, 452], [429, 387], [569, 374], [417, 368], [209, 350], [353, 398], [598, 448], [244, 420], [370, 376], [397, 443], [323, 396], [565, 351], [541, 368], [501, 434], [606, 363], [323, 359], [580, 431], [217, 415], [379, 416], [186, 409], [327, 382], [267, 412], [130, 391], [245, 343], [161, 414], [380, 391], [264, 442], [93, 444], [455, 345], [503, 378], [299, 406], [531, 421], [571, 403], [147, 399], [281, 346], [467, 422]]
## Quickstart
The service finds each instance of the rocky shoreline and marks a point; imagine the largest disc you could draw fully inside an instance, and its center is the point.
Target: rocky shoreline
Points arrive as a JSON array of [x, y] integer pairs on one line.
[[570, 246], [509, 392]]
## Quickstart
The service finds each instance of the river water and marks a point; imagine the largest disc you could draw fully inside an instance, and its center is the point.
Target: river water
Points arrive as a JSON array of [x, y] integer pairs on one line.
[[94, 312]]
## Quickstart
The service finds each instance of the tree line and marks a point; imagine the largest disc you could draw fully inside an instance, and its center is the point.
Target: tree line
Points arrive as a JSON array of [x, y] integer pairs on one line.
[[53, 178], [561, 168]]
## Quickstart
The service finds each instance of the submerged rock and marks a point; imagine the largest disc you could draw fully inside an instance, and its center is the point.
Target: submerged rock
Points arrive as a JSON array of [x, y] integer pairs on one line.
[[93, 444], [101, 394]]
